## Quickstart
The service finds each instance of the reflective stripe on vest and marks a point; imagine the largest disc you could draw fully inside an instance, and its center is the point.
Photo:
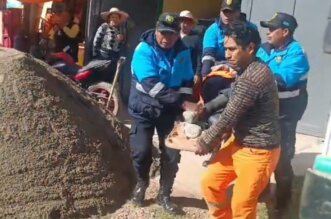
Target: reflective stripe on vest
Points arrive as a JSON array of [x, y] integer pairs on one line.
[[288, 94], [185, 90], [156, 89], [208, 58], [159, 86]]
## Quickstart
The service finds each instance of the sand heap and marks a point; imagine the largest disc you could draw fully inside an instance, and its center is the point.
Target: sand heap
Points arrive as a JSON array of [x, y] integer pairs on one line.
[[60, 157]]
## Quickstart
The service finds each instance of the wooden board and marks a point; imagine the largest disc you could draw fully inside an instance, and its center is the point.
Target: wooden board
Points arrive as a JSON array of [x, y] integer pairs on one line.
[[178, 140]]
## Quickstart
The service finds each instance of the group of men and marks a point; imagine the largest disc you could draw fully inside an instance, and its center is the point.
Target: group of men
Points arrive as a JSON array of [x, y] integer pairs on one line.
[[267, 99]]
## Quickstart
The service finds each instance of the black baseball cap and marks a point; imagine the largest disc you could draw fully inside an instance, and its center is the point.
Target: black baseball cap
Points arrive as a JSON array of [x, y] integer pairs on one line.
[[232, 5], [281, 20], [168, 22]]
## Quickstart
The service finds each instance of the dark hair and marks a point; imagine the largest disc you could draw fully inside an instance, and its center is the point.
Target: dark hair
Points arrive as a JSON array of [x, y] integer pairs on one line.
[[243, 34]]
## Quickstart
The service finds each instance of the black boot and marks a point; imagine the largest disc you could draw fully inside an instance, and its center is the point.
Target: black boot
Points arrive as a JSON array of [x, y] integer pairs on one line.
[[169, 167], [167, 178], [139, 192], [164, 200]]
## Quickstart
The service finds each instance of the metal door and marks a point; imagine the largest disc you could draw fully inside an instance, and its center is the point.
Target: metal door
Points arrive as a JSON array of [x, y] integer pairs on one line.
[[312, 18]]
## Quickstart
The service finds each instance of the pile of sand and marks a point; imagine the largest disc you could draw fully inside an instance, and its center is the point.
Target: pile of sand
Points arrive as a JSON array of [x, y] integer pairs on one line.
[[60, 157]]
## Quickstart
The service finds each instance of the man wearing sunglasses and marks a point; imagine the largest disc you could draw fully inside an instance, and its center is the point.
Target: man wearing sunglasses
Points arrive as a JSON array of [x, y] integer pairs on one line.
[[289, 64], [213, 52], [162, 76]]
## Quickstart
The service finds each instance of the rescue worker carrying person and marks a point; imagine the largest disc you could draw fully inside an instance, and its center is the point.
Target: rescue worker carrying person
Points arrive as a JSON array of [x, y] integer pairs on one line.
[[251, 154], [162, 76], [213, 41], [289, 64]]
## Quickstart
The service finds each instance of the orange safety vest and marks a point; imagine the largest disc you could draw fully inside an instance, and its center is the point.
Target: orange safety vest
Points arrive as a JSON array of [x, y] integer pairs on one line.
[[198, 87]]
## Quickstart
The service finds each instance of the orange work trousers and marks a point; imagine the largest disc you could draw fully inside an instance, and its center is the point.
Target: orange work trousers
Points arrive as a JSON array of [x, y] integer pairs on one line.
[[251, 169]]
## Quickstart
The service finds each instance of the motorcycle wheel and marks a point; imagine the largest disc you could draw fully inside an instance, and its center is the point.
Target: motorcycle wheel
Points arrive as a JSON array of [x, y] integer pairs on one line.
[[101, 91]]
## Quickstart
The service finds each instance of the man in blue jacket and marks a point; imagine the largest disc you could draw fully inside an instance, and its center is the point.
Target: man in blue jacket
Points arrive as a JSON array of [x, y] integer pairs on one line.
[[162, 76], [290, 66], [213, 41]]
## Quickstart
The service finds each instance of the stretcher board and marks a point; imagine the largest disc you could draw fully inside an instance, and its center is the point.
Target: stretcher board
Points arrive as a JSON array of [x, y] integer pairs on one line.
[[178, 140]]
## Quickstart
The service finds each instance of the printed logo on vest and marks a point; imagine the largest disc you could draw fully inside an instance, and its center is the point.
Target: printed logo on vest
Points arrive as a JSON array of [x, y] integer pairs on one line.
[[279, 59]]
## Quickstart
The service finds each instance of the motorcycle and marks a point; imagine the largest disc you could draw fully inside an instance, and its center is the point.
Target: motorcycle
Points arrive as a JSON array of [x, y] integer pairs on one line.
[[90, 78]]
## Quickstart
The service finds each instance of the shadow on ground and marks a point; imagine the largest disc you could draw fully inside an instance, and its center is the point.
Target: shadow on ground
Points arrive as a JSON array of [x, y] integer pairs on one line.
[[301, 163], [293, 210], [190, 202], [182, 202]]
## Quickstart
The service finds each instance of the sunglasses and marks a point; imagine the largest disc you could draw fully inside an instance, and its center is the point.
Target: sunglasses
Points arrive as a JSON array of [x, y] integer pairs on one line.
[[166, 32], [272, 29]]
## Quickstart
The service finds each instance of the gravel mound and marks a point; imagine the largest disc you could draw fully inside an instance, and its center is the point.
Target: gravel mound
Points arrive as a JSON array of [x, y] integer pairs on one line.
[[60, 156]]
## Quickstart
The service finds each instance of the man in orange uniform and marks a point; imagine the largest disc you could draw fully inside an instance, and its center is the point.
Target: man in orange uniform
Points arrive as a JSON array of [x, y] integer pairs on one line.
[[251, 154]]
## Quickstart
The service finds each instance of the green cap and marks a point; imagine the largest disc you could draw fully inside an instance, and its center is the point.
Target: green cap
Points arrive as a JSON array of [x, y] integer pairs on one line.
[[233, 5]]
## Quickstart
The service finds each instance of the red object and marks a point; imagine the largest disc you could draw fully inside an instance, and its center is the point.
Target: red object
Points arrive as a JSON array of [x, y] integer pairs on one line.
[[69, 61], [83, 75], [65, 57], [12, 21], [3, 4]]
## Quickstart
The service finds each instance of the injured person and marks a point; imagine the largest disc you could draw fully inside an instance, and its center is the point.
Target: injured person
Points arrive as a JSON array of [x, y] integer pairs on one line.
[[214, 91]]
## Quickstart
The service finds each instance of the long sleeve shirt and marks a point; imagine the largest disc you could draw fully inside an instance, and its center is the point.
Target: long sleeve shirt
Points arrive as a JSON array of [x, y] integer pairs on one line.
[[105, 40], [252, 111], [289, 65], [72, 31]]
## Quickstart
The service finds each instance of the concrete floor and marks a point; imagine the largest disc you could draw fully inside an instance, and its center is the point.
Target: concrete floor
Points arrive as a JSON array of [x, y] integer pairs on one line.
[[187, 182]]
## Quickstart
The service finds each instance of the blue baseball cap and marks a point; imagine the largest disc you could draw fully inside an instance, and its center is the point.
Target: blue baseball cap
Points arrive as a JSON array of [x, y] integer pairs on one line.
[[281, 20]]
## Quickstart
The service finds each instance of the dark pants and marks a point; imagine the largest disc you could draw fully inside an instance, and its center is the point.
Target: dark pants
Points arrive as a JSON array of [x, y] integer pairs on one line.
[[291, 111], [109, 73], [141, 135], [284, 171], [73, 51]]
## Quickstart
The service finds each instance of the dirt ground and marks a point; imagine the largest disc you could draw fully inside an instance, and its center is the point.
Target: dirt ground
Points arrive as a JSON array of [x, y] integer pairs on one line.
[[60, 157], [187, 208], [193, 208]]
